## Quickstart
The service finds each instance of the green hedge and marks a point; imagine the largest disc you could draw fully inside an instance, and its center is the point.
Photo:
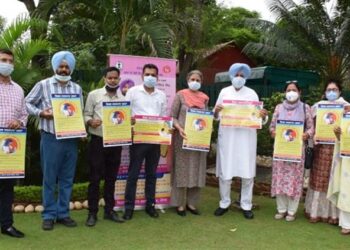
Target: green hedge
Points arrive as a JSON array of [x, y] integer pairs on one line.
[[33, 194]]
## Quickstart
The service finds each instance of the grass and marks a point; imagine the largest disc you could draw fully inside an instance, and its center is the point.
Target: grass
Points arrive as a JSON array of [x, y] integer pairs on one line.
[[171, 231]]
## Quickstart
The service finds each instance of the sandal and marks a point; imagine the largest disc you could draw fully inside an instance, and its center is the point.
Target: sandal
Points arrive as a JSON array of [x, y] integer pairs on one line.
[[280, 216], [345, 231], [290, 218]]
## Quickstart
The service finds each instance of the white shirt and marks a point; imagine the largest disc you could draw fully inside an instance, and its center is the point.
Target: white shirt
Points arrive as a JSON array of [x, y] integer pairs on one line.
[[143, 103]]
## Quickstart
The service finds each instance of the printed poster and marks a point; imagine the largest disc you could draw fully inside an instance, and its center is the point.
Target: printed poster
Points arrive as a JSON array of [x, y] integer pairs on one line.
[[68, 116], [241, 114], [198, 129], [116, 124], [327, 116], [12, 153], [288, 141]]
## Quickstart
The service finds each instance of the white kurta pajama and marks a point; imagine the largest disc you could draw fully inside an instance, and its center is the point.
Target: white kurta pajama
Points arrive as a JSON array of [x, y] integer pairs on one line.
[[236, 152]]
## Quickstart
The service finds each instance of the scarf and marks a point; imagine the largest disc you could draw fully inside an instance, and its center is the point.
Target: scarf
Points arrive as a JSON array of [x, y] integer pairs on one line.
[[194, 98], [291, 111]]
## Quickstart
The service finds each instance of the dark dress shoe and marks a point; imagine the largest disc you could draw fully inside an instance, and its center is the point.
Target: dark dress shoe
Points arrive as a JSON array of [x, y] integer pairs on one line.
[[180, 212], [248, 214], [151, 211], [91, 220], [113, 216], [47, 225], [193, 211], [13, 232], [68, 222], [128, 214], [220, 211]]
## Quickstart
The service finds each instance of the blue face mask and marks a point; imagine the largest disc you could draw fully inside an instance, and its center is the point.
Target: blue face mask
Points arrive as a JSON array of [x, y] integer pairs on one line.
[[150, 81], [331, 95], [194, 85], [6, 69], [62, 78]]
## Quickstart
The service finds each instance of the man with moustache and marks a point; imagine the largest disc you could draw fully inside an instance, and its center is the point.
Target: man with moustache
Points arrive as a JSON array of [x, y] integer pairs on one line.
[[58, 157]]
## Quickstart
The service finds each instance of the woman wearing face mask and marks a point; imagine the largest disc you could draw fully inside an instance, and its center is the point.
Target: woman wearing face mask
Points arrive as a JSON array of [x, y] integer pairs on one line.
[[317, 207], [189, 170], [287, 177]]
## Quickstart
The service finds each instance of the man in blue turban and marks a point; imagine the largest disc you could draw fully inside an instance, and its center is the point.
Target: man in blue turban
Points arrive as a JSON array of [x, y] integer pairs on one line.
[[236, 160], [58, 156]]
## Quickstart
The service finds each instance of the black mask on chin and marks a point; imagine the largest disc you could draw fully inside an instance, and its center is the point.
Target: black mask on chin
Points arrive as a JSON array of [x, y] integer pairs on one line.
[[109, 89]]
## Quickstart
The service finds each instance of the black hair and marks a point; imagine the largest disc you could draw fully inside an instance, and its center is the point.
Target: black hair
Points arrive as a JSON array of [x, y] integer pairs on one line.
[[334, 81], [7, 52], [149, 66], [292, 82], [110, 69]]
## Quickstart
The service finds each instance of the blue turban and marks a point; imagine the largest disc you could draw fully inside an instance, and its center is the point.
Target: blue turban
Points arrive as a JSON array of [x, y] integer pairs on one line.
[[63, 56], [237, 67]]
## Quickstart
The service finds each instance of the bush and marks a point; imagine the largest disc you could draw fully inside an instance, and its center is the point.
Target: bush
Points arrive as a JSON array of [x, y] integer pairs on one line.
[[33, 194], [265, 142]]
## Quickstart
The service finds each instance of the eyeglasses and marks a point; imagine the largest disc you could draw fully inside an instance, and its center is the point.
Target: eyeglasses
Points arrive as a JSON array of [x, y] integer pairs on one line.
[[292, 81]]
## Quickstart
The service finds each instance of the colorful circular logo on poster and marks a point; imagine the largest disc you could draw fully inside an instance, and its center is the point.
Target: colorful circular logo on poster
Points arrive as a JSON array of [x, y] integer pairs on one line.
[[289, 135], [165, 130], [68, 109], [9, 145], [330, 118], [117, 117], [199, 124], [255, 115]]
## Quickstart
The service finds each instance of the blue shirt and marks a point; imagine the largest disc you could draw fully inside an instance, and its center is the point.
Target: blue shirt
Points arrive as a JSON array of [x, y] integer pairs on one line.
[[39, 99]]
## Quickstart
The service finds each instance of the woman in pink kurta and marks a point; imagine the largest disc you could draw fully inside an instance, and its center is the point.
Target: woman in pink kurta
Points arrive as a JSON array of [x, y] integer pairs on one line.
[[287, 177]]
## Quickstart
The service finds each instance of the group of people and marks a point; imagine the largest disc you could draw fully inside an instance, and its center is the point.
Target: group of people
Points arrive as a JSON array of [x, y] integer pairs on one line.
[[58, 157], [327, 195]]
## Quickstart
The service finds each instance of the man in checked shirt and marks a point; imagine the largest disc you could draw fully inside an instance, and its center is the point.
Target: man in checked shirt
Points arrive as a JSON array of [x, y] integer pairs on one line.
[[13, 115]]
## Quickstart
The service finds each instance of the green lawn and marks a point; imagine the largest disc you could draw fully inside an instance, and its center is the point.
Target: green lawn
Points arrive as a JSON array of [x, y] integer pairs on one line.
[[171, 231]]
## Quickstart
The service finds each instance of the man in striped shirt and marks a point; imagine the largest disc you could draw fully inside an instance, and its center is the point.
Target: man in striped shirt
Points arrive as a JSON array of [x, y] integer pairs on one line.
[[13, 115], [58, 157]]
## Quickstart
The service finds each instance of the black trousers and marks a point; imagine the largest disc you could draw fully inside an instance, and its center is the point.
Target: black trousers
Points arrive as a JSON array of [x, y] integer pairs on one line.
[[102, 162], [151, 154], [6, 200]]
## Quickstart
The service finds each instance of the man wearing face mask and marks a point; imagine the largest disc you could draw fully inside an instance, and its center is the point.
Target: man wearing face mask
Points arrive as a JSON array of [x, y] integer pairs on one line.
[[13, 115], [145, 99], [236, 149], [102, 160], [58, 157]]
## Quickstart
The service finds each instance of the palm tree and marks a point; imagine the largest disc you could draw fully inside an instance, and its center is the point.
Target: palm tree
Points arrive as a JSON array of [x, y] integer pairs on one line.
[[306, 35], [118, 24], [16, 37]]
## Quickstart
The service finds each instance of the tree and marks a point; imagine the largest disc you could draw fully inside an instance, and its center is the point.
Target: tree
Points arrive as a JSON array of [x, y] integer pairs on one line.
[[15, 37], [2, 23], [307, 36], [112, 26]]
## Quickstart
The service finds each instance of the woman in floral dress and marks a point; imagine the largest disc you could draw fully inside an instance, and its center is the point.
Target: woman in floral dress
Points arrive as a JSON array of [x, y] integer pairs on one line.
[[287, 177]]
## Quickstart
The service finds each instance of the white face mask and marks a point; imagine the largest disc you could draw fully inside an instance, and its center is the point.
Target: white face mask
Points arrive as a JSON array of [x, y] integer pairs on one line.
[[6, 69], [62, 78], [238, 82], [150, 81], [194, 85], [292, 96]]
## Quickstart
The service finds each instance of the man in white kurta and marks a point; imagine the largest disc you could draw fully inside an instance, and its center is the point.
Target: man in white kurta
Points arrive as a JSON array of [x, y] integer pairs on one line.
[[236, 149]]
